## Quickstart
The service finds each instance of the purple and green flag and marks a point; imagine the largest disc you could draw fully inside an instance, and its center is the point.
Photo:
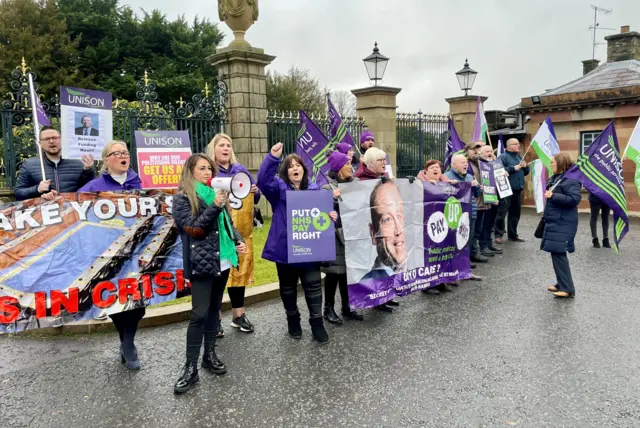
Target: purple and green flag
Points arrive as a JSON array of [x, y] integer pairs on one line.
[[338, 131], [480, 127], [599, 170], [455, 146], [314, 148]]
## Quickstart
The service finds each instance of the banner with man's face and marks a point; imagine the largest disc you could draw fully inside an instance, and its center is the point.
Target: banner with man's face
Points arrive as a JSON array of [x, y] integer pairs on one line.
[[401, 237]]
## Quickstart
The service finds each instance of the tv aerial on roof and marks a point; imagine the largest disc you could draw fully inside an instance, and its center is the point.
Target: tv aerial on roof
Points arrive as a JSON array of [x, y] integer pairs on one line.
[[596, 25]]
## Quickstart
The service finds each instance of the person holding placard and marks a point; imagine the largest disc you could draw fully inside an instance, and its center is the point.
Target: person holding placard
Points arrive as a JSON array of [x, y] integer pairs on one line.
[[220, 149], [275, 183], [61, 175], [211, 246], [487, 248]]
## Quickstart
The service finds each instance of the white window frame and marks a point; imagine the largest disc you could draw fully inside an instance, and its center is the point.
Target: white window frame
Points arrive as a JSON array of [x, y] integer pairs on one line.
[[587, 138]]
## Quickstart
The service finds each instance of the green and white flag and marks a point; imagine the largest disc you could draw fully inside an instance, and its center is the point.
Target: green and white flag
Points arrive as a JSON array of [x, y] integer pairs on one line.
[[633, 152], [545, 143], [480, 127]]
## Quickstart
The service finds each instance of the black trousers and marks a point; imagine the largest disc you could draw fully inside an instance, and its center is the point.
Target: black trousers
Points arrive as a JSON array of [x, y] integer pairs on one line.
[[127, 322], [288, 276], [503, 209], [487, 227], [563, 272], [206, 295], [472, 243], [236, 295], [596, 208], [515, 207], [331, 282]]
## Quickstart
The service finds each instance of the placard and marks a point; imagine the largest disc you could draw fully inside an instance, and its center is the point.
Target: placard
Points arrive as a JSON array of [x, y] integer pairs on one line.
[[310, 233], [161, 157]]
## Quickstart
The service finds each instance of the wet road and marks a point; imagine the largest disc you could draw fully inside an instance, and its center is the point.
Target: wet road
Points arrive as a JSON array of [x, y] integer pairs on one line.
[[498, 353]]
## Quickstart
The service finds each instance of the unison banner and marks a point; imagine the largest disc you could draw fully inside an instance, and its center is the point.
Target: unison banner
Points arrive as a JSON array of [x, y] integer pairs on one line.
[[401, 237], [86, 255]]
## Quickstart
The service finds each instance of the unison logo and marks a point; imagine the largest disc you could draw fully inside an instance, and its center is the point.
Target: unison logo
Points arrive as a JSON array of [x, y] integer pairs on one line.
[[82, 98], [158, 139]]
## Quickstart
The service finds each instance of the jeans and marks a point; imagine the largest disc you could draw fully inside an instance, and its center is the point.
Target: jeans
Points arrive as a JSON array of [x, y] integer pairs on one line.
[[487, 227], [597, 207], [127, 323], [331, 282], [288, 276], [206, 295], [480, 221], [563, 272]]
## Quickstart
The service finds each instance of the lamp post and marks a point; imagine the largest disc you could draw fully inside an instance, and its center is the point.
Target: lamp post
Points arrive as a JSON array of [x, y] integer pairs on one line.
[[466, 77], [376, 64]]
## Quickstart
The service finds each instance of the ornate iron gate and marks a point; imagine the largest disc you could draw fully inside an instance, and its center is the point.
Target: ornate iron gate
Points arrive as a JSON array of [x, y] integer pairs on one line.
[[419, 137]]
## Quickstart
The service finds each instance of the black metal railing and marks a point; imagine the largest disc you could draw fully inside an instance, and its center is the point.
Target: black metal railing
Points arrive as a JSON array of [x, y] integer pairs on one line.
[[419, 137]]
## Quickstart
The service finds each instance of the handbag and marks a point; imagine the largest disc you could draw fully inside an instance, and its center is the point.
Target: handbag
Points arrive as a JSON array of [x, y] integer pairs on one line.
[[540, 229]]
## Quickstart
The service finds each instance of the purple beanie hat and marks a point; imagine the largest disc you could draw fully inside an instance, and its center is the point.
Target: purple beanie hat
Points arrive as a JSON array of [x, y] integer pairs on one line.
[[344, 148], [365, 136], [337, 160]]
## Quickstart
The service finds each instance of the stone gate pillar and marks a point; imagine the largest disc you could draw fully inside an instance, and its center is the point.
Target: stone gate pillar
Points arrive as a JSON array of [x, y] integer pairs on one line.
[[377, 105], [463, 113]]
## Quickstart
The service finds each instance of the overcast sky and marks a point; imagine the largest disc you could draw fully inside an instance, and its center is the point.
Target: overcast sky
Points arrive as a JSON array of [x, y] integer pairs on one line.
[[518, 48]]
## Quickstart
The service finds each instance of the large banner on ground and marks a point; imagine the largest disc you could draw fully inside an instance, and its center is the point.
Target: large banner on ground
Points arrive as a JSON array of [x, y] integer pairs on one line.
[[401, 237], [85, 256], [86, 122]]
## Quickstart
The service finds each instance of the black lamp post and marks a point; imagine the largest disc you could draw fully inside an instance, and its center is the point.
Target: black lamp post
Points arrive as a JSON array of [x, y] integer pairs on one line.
[[376, 64], [466, 77]]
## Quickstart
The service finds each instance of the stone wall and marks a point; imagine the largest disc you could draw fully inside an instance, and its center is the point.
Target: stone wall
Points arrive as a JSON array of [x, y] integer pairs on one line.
[[623, 47]]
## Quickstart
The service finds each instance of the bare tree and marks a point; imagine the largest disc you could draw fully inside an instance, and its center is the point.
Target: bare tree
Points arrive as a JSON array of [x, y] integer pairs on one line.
[[344, 102]]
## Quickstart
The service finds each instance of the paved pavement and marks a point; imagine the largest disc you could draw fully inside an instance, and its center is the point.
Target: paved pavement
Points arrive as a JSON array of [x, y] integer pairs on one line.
[[498, 353]]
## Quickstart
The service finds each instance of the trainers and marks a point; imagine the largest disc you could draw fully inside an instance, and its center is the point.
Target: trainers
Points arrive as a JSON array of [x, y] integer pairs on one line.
[[242, 323]]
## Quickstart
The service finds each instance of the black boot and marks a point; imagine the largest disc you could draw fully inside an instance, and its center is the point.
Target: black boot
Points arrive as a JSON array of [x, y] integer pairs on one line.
[[331, 316], [351, 315], [606, 243], [211, 362], [317, 329], [596, 243], [188, 378], [128, 351], [295, 329]]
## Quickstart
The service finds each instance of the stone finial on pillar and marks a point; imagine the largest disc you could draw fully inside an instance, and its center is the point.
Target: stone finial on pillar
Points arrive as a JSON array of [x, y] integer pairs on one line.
[[377, 105], [239, 15], [463, 113]]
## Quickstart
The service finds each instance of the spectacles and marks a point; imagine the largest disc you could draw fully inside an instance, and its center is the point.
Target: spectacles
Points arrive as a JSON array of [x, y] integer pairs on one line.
[[119, 154], [383, 160], [46, 140]]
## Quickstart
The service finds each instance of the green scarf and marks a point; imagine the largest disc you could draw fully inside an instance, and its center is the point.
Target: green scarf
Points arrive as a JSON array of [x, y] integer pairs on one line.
[[227, 245]]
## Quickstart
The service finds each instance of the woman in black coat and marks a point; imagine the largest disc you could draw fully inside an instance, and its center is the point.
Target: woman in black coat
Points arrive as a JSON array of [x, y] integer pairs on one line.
[[210, 246], [561, 223]]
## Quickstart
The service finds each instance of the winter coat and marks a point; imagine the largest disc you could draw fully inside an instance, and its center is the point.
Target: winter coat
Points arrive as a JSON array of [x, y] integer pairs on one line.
[[339, 266], [475, 166], [475, 191], [67, 176], [275, 190], [106, 183], [516, 178], [561, 215], [422, 176], [234, 169], [364, 173], [200, 237]]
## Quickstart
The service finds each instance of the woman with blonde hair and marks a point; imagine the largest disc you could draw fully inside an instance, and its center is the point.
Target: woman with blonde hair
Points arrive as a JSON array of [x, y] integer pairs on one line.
[[220, 149], [118, 176], [210, 248]]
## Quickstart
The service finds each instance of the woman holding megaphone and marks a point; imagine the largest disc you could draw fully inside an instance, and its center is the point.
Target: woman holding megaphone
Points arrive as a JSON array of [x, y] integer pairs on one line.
[[274, 184], [210, 247], [220, 149]]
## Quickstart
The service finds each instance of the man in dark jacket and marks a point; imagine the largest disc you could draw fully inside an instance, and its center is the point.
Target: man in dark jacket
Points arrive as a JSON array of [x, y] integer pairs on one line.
[[62, 175], [517, 169], [478, 206]]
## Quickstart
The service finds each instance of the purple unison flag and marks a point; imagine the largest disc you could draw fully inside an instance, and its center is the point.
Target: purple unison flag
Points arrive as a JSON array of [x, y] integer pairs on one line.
[[338, 132], [313, 147], [43, 120], [454, 145], [310, 231], [599, 170]]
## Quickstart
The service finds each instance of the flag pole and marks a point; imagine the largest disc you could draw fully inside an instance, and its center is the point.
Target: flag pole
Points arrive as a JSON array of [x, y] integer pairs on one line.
[[36, 124], [636, 129]]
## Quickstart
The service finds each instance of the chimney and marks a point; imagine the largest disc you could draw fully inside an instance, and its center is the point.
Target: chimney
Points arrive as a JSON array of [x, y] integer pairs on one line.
[[623, 46], [589, 65]]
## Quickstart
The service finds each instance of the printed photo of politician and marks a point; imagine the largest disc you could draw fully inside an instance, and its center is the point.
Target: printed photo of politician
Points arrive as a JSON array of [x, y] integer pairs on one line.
[[87, 124]]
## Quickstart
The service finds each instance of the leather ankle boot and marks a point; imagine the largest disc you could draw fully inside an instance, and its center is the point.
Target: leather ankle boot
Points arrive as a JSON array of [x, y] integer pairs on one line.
[[188, 378], [317, 329], [211, 362], [295, 329], [331, 315], [606, 243], [596, 243]]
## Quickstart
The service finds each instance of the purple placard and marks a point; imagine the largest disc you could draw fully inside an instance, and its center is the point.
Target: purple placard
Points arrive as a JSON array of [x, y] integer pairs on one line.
[[488, 181], [310, 232], [85, 98], [162, 140]]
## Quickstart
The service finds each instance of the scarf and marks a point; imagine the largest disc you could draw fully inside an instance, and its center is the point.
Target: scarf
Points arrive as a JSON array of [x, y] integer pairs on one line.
[[227, 245]]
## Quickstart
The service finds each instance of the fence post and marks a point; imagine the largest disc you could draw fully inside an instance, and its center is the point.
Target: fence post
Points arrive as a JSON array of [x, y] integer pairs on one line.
[[420, 142]]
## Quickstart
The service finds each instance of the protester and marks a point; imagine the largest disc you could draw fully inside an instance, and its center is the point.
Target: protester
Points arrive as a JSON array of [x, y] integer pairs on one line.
[[336, 271], [373, 167], [366, 142], [210, 245], [459, 172], [487, 248], [432, 173], [478, 205], [62, 175], [220, 149], [597, 206], [517, 169], [346, 149], [118, 176], [292, 176], [561, 223]]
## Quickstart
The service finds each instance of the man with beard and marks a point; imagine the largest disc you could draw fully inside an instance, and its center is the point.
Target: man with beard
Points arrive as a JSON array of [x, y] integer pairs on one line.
[[387, 231], [62, 175]]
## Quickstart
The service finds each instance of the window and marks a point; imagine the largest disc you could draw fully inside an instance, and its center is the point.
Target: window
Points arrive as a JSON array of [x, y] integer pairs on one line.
[[586, 138]]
